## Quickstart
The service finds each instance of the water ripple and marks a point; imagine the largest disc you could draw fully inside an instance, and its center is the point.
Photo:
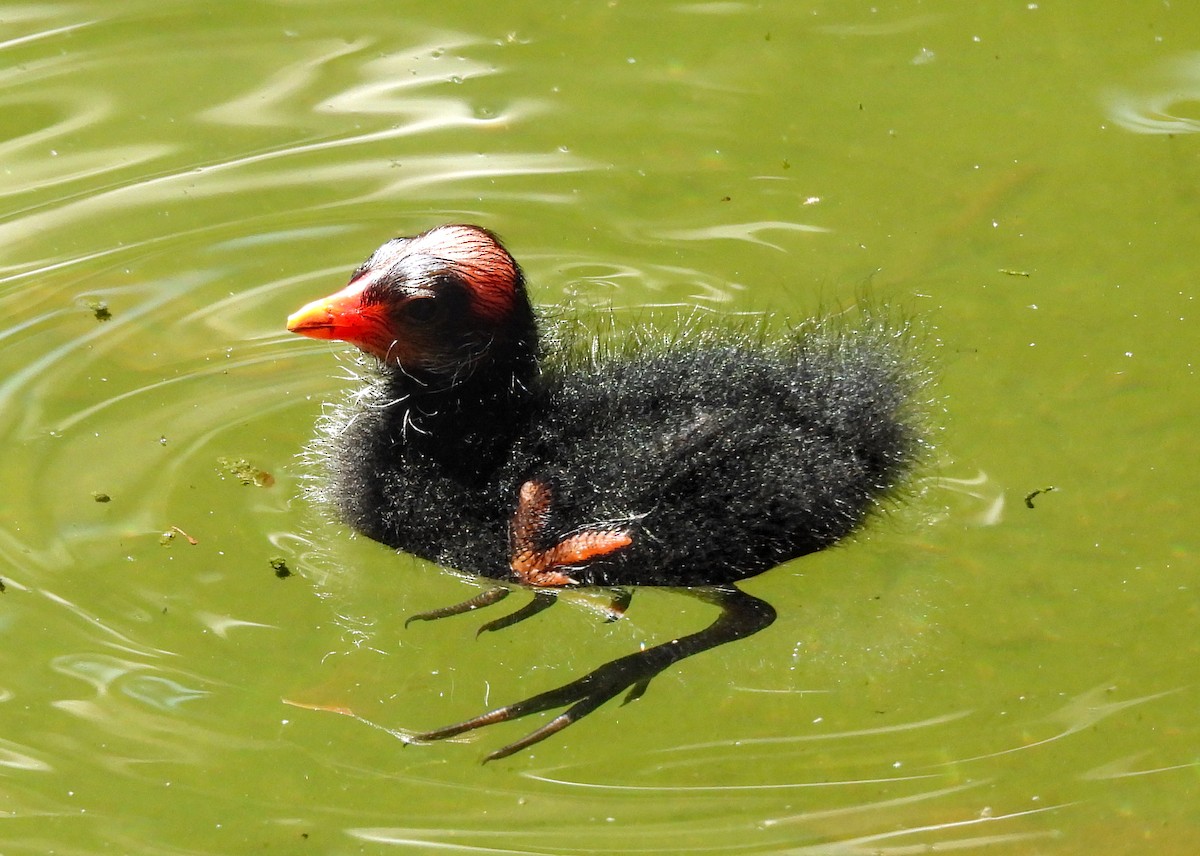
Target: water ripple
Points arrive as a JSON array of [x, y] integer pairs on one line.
[[1159, 103]]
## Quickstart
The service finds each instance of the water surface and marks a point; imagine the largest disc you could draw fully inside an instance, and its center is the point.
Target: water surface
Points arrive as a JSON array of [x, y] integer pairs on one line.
[[969, 674]]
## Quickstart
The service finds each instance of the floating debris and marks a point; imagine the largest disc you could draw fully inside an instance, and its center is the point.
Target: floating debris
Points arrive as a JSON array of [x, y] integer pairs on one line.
[[169, 536], [189, 538], [101, 496], [99, 309], [1011, 272], [279, 565], [1029, 497], [246, 472]]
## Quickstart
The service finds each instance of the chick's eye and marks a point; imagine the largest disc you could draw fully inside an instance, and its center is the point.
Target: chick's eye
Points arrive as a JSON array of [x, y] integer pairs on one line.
[[422, 310]]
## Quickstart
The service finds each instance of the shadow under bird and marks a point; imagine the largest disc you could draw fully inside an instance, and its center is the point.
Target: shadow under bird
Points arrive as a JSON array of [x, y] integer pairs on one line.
[[691, 458]]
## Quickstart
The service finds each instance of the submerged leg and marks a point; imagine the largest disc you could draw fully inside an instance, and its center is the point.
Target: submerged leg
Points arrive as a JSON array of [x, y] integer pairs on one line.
[[741, 615], [542, 599], [485, 598]]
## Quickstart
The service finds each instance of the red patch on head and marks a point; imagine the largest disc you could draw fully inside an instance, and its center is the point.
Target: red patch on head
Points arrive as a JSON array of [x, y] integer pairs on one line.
[[478, 258], [370, 311]]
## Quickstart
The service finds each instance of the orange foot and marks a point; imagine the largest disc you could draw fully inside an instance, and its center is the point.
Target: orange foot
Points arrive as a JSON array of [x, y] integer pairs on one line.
[[548, 567]]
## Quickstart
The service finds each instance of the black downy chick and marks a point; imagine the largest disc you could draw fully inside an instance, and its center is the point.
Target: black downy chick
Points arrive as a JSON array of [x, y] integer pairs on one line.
[[693, 459]]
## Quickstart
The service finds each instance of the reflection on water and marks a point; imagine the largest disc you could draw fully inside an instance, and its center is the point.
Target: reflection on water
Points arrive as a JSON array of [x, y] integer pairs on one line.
[[979, 491], [1161, 101], [740, 232], [401, 91]]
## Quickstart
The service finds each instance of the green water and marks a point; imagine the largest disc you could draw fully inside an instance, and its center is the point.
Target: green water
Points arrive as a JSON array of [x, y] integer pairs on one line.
[[970, 674]]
